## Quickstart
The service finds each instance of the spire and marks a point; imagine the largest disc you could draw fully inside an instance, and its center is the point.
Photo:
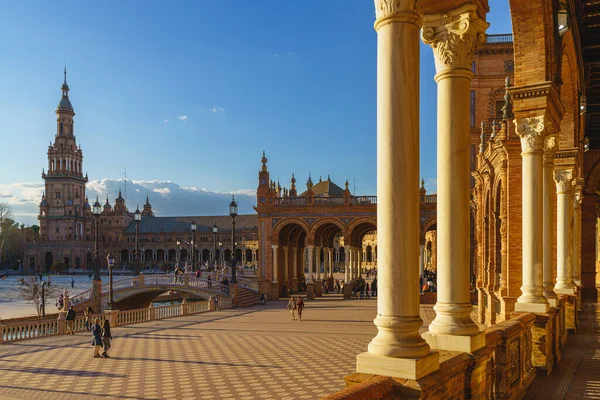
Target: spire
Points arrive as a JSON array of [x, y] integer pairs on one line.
[[147, 201], [328, 178], [65, 103], [309, 182], [264, 161]]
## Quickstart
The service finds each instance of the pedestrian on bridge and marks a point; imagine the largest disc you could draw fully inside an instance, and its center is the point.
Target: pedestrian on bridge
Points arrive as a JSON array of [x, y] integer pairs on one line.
[[70, 319]]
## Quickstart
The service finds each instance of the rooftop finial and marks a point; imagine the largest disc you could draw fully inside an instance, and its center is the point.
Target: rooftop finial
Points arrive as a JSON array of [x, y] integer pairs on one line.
[[65, 72], [422, 182]]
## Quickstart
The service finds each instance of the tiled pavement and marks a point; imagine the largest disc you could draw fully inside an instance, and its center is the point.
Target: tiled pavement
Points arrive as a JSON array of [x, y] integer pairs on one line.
[[578, 374], [253, 353]]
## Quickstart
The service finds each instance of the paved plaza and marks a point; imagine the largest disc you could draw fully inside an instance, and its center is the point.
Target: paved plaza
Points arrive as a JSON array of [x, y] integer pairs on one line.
[[253, 353]]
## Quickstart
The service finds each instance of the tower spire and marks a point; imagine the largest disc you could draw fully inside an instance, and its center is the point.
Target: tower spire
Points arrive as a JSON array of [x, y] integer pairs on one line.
[[65, 73]]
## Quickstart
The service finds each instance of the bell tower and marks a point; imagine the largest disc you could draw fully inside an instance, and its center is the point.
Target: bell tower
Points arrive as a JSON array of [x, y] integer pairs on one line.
[[62, 215], [263, 189]]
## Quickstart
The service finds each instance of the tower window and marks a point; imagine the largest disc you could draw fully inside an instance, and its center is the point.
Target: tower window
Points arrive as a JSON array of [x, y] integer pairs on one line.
[[58, 195]]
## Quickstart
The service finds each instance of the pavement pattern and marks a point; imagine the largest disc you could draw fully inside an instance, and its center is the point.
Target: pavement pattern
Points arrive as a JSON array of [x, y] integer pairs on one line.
[[250, 353]]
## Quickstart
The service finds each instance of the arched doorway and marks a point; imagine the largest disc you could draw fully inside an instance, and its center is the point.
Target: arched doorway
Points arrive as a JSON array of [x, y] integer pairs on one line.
[[227, 254], [124, 257], [160, 255], [205, 255], [248, 255], [148, 259], [49, 260]]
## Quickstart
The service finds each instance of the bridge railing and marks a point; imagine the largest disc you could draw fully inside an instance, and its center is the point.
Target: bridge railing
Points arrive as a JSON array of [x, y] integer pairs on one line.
[[15, 331], [248, 284], [82, 297]]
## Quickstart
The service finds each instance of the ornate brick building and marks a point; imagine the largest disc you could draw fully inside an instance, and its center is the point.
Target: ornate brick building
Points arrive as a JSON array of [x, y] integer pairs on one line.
[[67, 223]]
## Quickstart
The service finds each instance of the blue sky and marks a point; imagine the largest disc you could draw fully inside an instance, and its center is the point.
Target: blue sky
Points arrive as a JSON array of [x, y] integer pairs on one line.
[[193, 91]]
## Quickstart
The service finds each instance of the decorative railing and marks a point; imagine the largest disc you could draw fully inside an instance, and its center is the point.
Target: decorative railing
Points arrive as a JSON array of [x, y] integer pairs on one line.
[[82, 297], [363, 200], [499, 38], [430, 198], [248, 284], [328, 200], [10, 332], [290, 201]]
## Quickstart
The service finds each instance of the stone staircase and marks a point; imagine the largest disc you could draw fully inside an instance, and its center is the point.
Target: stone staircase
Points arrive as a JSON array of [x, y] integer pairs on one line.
[[246, 297]]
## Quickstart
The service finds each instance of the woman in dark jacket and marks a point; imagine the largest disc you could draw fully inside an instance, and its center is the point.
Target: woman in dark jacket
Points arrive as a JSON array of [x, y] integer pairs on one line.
[[97, 337], [106, 338]]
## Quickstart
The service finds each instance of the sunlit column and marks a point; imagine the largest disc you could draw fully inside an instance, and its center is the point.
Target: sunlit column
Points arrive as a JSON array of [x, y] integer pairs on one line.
[[310, 263], [453, 37], [549, 190], [274, 247], [330, 262], [318, 261], [531, 131], [421, 260], [286, 263], [346, 265], [398, 350], [564, 271], [295, 263], [577, 198]]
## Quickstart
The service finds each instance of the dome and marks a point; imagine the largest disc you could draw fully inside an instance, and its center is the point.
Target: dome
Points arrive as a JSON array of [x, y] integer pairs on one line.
[[64, 104]]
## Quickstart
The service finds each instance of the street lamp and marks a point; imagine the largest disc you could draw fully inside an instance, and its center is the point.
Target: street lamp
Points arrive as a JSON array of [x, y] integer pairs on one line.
[[111, 263], [43, 300], [178, 258], [215, 230], [193, 246], [96, 210], [136, 258], [233, 211]]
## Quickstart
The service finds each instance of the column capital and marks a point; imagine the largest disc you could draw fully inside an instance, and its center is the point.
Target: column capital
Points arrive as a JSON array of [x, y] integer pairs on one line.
[[285, 248], [564, 180], [531, 132], [549, 149], [274, 246], [395, 11], [453, 37], [310, 246]]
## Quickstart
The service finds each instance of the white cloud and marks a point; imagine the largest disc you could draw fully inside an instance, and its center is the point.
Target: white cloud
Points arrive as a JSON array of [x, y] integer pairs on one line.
[[182, 117], [166, 120], [163, 191], [217, 109]]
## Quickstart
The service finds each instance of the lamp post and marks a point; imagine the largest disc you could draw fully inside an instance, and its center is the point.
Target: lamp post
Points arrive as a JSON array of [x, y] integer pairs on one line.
[[96, 210], [111, 263], [136, 256], [193, 246], [215, 230], [233, 211], [178, 258], [43, 308], [220, 256]]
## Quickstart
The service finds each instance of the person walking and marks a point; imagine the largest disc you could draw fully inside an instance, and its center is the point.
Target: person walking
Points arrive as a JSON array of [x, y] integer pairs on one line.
[[216, 300], [70, 319], [300, 307], [292, 307], [106, 338], [88, 313], [97, 337], [72, 283]]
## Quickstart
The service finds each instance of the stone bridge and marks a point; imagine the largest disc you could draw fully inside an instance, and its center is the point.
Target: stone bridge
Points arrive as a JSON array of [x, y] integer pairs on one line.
[[140, 291]]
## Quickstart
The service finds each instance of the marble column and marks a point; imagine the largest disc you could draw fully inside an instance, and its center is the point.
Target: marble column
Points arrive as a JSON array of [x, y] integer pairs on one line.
[[330, 252], [274, 247], [548, 223], [347, 265], [577, 236], [398, 350], [318, 261], [531, 131], [295, 269], [564, 243], [360, 262], [310, 263], [453, 37], [286, 264], [351, 258]]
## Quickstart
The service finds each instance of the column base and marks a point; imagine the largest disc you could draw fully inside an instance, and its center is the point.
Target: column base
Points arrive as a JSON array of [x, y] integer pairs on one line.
[[310, 291], [318, 288], [570, 291], [467, 344], [405, 368], [294, 285], [553, 302], [275, 294], [532, 307]]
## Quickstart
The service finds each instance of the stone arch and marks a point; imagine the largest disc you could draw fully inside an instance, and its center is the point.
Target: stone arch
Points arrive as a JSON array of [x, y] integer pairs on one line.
[[324, 231], [358, 229], [48, 260], [569, 93], [592, 180], [428, 225], [532, 44], [284, 222]]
